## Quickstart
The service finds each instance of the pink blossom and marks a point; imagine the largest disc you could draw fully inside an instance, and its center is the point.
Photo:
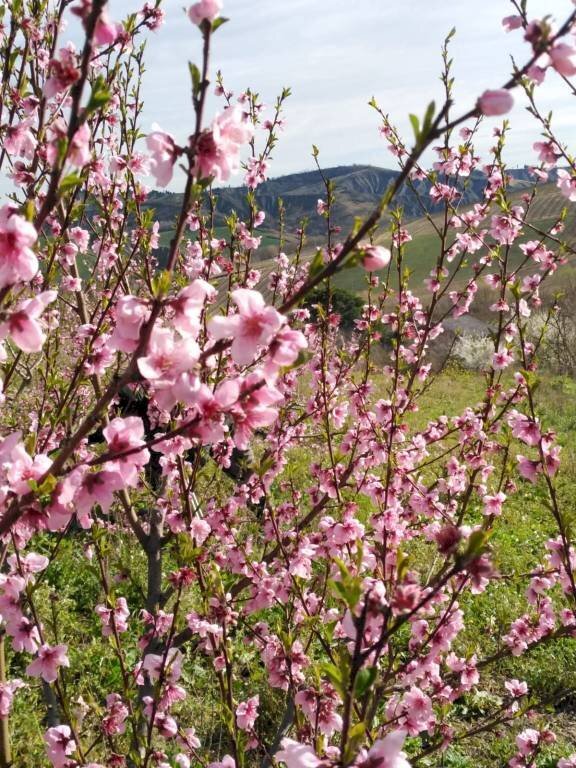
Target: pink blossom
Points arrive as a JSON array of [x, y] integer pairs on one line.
[[218, 149], [524, 428], [284, 349], [493, 504], [59, 745], [49, 659], [188, 306], [516, 688], [113, 619], [18, 262], [494, 103], [106, 32], [163, 150], [417, 707], [567, 184], [512, 22], [226, 762], [256, 173], [387, 752], [28, 564], [24, 633], [24, 468], [547, 152], [536, 74], [7, 691], [254, 325], [527, 741], [19, 139], [502, 359], [167, 357], [296, 755], [63, 72], [505, 229], [205, 10], [125, 435], [97, 488], [375, 257], [79, 148], [130, 315], [528, 468], [246, 713], [24, 325], [563, 59], [116, 713]]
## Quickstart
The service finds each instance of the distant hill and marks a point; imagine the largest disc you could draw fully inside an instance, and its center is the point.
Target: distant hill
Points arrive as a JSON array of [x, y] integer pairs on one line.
[[358, 188]]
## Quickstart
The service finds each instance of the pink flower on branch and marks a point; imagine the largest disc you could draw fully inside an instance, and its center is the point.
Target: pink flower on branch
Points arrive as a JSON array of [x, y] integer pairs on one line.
[[254, 325], [24, 325], [7, 691], [50, 658], [167, 357], [163, 157], [563, 59], [131, 313], [246, 713], [123, 436], [59, 745], [205, 10], [218, 148], [18, 263], [374, 257], [297, 755], [63, 72], [495, 103]]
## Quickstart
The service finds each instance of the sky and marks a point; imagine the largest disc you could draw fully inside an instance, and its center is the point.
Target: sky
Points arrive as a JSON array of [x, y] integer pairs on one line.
[[335, 55]]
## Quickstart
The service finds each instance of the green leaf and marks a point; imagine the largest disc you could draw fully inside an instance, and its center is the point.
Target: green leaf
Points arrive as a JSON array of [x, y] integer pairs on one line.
[[317, 264], [70, 181], [429, 117], [338, 676], [218, 23], [99, 97], [48, 485], [356, 736], [364, 680], [161, 284], [476, 544], [415, 123], [196, 76]]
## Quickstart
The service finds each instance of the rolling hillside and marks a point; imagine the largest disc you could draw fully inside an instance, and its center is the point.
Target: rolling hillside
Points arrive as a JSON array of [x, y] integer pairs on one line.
[[421, 252], [358, 188], [357, 191]]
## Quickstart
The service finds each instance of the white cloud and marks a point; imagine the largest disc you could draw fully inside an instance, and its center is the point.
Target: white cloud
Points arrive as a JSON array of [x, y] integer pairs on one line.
[[336, 54]]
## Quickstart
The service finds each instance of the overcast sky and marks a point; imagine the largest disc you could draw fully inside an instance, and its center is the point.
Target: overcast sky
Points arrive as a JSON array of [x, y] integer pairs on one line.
[[335, 55]]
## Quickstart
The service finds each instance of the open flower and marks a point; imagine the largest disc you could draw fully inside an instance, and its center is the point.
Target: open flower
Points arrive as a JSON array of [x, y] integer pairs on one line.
[[218, 148], [18, 262], [50, 658], [254, 325], [163, 150], [24, 325]]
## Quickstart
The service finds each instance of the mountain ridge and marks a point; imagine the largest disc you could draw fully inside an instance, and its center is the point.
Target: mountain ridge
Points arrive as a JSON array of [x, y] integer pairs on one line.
[[357, 190]]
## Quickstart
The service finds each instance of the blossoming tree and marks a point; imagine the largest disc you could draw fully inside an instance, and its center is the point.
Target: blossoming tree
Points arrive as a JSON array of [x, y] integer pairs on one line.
[[153, 411]]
